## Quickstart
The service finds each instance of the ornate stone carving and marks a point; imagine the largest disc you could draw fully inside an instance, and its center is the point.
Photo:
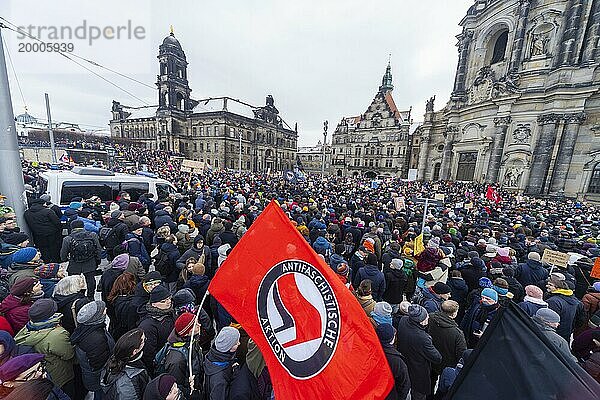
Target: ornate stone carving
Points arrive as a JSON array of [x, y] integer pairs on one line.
[[450, 131], [512, 177], [506, 85], [551, 118], [522, 134], [486, 86], [499, 121], [575, 118], [539, 44]]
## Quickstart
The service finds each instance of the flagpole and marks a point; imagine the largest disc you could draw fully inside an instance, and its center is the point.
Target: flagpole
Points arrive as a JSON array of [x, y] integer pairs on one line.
[[192, 340]]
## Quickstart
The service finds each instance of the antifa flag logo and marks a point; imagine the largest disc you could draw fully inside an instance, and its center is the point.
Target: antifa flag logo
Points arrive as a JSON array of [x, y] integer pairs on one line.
[[299, 316]]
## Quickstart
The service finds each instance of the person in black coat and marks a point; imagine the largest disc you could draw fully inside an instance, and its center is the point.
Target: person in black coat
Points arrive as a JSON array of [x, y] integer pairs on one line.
[[199, 251], [92, 342], [459, 291], [69, 294], [170, 271], [46, 228], [446, 337], [395, 282], [119, 231], [157, 321], [386, 334], [227, 236], [220, 367], [84, 263], [418, 350]]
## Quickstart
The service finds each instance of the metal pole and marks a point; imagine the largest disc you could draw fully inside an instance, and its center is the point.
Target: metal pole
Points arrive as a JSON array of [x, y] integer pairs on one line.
[[50, 132], [425, 214], [11, 183], [240, 160]]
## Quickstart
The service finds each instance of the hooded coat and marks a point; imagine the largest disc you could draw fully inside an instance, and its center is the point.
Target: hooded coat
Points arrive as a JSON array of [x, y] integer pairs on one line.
[[218, 374], [128, 384], [399, 372], [81, 267], [156, 326], [395, 282], [54, 343], [531, 272], [570, 310]]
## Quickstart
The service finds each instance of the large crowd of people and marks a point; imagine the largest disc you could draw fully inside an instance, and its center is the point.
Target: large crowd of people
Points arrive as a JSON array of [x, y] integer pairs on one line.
[[101, 298]]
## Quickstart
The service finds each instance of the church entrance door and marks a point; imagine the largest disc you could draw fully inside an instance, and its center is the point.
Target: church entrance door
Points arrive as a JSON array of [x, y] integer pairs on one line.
[[466, 166]]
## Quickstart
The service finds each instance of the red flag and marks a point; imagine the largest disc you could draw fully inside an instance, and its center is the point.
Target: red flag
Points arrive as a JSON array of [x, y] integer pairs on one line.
[[316, 339], [492, 194]]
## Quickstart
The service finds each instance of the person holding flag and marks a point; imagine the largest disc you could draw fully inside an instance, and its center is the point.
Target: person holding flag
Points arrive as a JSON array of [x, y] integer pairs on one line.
[[492, 194]]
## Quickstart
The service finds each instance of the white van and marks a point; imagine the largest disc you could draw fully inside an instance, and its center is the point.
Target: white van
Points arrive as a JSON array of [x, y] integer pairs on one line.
[[85, 182]]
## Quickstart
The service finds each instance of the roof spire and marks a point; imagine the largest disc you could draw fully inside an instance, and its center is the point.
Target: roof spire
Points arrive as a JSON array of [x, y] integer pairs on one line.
[[386, 82], [171, 32]]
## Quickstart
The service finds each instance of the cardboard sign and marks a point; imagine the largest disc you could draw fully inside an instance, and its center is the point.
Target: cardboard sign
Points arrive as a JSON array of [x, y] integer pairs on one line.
[[439, 196], [192, 166], [555, 258], [596, 269], [399, 203]]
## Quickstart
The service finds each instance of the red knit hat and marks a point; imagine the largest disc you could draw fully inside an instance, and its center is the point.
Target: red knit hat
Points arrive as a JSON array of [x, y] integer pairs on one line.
[[184, 324]]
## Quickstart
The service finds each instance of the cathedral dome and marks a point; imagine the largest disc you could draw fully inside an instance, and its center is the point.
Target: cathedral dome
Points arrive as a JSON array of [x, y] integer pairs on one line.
[[25, 118], [170, 40]]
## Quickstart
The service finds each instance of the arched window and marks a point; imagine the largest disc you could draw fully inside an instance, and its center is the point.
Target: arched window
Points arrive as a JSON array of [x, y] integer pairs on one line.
[[594, 186], [499, 48]]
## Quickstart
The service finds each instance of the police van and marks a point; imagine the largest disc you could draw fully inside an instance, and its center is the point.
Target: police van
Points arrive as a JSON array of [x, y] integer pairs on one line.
[[86, 182]]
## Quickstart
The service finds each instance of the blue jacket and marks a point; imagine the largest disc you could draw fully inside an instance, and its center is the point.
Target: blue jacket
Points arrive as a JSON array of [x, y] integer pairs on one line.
[[531, 272], [90, 225], [570, 310], [431, 301], [531, 308], [136, 248], [322, 246]]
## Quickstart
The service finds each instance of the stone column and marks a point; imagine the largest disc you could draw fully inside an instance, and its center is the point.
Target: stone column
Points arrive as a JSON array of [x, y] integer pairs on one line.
[[591, 50], [423, 156], [542, 153], [519, 39], [568, 42], [501, 124], [447, 154], [565, 151], [464, 42]]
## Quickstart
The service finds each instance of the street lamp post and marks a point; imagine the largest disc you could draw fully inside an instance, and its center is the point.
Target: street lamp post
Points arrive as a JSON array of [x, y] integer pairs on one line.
[[325, 124], [240, 155]]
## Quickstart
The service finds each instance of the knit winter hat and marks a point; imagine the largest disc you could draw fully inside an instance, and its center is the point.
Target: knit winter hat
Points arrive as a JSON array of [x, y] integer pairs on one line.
[[342, 269], [534, 292], [404, 305], [24, 255], [158, 294], [485, 282], [441, 288], [165, 384], [490, 294], [42, 310], [77, 224], [182, 297], [184, 324], [417, 313], [226, 339], [22, 285], [547, 315], [369, 246], [17, 365], [116, 214], [75, 205], [121, 261], [396, 263], [16, 238], [385, 333], [152, 276], [383, 309], [46, 271], [183, 228], [92, 313], [534, 256]]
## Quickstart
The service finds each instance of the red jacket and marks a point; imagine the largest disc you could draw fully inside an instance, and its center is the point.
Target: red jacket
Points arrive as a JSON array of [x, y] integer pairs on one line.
[[15, 312], [5, 326]]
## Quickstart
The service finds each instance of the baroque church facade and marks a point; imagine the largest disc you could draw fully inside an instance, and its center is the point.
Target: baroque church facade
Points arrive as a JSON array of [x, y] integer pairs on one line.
[[375, 143], [525, 108], [216, 131]]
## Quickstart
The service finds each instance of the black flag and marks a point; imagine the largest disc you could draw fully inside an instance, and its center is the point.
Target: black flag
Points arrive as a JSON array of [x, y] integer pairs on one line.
[[514, 360]]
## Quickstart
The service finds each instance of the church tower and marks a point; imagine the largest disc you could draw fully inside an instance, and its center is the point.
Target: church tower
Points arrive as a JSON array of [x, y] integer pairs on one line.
[[173, 87], [386, 82]]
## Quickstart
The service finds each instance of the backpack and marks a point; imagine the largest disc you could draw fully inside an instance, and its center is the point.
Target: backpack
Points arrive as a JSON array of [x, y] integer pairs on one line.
[[418, 297], [82, 249], [104, 233], [162, 263], [161, 357]]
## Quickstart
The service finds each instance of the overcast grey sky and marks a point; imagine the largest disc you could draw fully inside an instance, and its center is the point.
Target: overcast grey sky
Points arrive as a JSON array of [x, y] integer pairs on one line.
[[319, 59]]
